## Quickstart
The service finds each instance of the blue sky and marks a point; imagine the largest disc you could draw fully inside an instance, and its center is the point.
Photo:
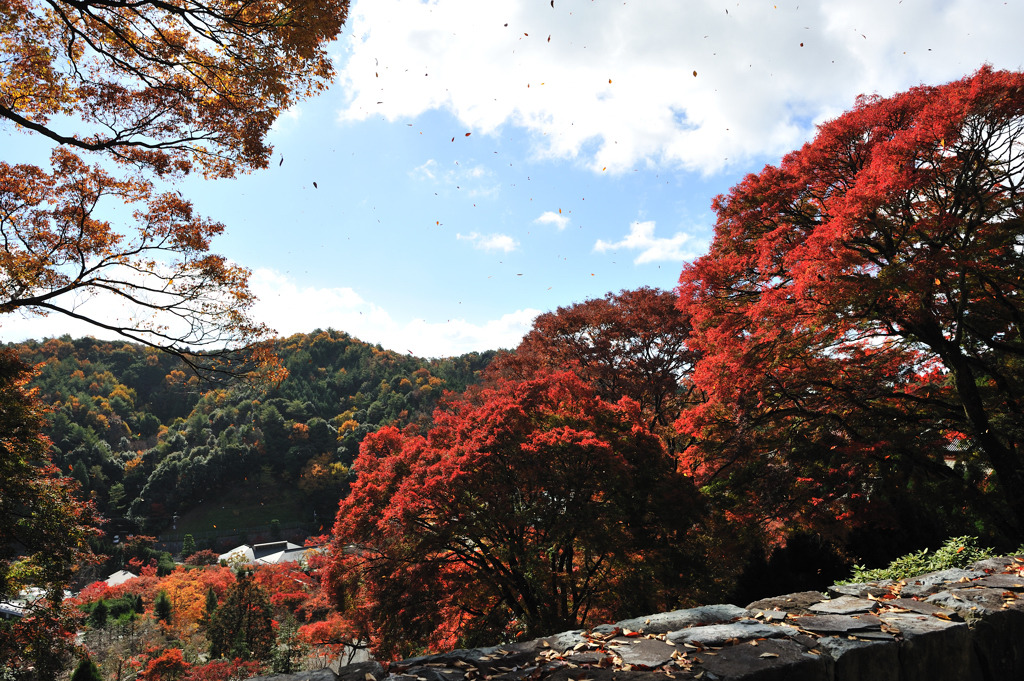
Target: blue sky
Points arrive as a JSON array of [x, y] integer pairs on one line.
[[480, 162]]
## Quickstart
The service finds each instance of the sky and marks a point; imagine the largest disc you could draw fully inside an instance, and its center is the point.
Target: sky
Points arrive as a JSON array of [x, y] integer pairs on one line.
[[477, 163]]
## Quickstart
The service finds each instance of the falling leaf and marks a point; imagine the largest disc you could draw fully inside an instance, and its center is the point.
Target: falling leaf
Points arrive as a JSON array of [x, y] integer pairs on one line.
[[549, 39], [468, 134], [604, 169], [552, 4], [280, 162], [609, 80], [314, 185], [453, 139], [801, 44], [694, 74]]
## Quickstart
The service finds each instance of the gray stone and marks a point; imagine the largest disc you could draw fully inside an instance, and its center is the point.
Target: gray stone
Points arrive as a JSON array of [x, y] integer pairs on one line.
[[997, 564], [513, 654], [358, 672], [844, 605], [836, 624], [645, 652], [921, 607], [998, 644], [318, 675], [773, 660], [680, 619], [436, 673], [969, 603], [1012, 582], [585, 657], [772, 615], [795, 603], [565, 640], [861, 590], [933, 648], [862, 660], [927, 584], [718, 634]]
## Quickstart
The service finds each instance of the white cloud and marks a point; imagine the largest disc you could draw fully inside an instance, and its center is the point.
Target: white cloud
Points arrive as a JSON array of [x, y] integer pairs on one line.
[[615, 87], [474, 180], [550, 217], [427, 171], [490, 242], [289, 309], [652, 249], [292, 309]]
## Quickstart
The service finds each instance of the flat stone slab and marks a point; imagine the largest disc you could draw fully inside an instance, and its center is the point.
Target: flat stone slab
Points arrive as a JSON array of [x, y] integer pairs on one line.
[[645, 652], [969, 603], [318, 675], [862, 589], [566, 640], [772, 660], [772, 615], [1011, 582], [678, 619], [844, 605], [585, 657], [718, 634], [795, 603], [913, 624], [997, 564], [926, 585], [836, 624], [920, 607]]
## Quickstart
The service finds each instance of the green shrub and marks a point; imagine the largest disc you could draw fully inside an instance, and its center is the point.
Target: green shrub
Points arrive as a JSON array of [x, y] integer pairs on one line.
[[956, 552], [86, 671]]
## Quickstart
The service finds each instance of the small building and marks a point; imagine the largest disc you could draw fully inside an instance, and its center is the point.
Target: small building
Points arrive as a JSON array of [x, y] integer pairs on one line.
[[270, 553], [119, 577], [27, 601]]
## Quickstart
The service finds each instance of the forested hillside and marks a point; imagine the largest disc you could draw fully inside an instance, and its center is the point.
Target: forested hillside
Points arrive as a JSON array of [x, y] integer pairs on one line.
[[147, 439]]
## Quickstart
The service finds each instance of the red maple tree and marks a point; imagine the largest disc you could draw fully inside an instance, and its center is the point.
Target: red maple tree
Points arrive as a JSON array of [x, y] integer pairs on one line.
[[860, 306], [627, 344], [531, 507]]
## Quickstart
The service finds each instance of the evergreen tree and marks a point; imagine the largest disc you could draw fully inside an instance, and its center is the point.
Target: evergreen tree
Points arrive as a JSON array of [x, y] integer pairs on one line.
[[98, 617], [162, 607], [87, 670], [188, 546], [211, 607], [241, 626]]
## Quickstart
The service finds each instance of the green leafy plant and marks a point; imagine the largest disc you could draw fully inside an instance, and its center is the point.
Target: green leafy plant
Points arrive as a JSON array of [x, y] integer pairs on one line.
[[955, 552]]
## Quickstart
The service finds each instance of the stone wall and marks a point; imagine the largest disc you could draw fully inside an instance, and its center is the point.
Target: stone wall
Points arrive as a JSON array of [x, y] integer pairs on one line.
[[954, 625]]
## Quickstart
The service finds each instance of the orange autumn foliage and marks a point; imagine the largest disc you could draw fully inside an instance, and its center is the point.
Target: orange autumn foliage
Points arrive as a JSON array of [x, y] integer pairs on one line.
[[161, 90]]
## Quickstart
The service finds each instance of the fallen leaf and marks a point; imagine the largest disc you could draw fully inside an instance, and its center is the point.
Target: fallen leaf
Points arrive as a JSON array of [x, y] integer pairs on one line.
[[768, 655]]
